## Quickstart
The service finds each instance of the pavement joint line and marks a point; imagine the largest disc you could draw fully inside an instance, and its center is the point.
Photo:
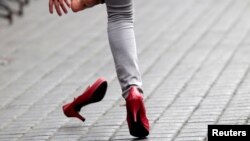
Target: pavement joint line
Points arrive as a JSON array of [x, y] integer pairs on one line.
[[80, 48], [235, 91], [87, 60], [54, 24], [176, 65], [75, 36], [53, 88], [174, 42], [51, 25], [234, 94], [211, 86]]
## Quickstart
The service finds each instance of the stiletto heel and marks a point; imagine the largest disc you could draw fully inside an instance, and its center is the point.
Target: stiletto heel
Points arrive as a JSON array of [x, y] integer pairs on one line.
[[70, 112], [92, 94], [136, 114], [134, 109]]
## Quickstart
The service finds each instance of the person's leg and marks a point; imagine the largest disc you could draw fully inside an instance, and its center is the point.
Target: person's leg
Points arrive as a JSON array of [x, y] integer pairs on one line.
[[123, 47], [122, 43]]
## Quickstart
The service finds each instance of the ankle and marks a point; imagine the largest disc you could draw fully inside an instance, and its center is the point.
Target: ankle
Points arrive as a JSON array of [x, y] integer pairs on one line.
[[133, 92]]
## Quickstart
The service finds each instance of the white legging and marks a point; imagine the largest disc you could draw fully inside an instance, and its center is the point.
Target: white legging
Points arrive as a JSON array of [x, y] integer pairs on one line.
[[122, 43]]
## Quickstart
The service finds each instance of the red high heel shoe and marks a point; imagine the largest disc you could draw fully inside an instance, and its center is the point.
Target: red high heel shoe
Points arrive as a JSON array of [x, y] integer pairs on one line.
[[136, 114], [92, 94]]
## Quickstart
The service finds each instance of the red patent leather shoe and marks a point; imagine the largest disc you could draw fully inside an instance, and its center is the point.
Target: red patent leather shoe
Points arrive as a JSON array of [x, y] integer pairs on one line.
[[136, 114], [92, 94]]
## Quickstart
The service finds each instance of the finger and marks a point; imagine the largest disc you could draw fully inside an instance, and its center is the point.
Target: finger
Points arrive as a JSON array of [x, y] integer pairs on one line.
[[57, 7], [63, 6], [67, 2], [51, 2]]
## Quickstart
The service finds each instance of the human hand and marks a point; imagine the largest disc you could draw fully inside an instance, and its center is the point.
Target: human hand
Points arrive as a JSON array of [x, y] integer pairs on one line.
[[79, 5], [59, 4]]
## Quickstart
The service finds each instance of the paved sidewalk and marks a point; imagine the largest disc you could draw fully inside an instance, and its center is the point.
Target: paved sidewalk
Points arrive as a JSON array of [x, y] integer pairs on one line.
[[194, 57]]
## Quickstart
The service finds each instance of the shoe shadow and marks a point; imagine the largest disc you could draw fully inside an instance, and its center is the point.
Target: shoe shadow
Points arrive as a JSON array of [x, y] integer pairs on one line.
[[141, 139], [133, 139]]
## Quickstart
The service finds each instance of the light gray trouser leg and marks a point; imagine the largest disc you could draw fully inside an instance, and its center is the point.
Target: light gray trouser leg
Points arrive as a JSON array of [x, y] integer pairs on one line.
[[122, 43]]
